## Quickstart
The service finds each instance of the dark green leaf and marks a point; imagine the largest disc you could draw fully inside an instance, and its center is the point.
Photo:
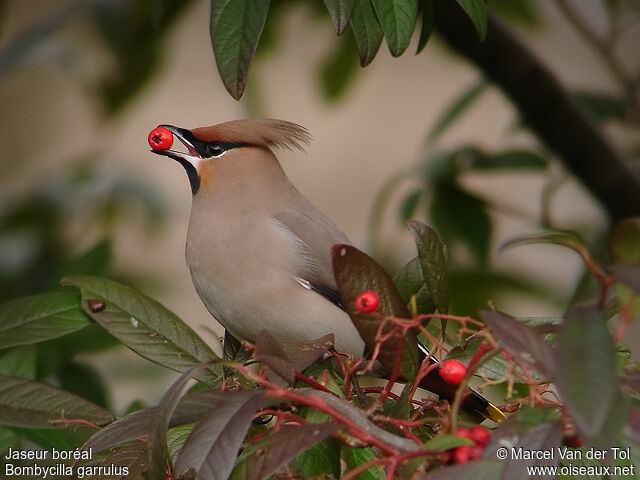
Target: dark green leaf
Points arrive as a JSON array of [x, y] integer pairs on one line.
[[624, 242], [212, 447], [340, 11], [433, 260], [42, 317], [444, 442], [145, 326], [26, 403], [233, 349], [410, 281], [584, 364], [320, 459], [160, 424], [18, 362], [509, 159], [477, 12], [285, 445], [521, 341], [355, 273], [602, 106], [426, 11], [460, 215], [84, 381], [478, 470], [235, 30], [409, 205], [354, 457], [367, 31], [398, 19], [456, 109], [338, 70]]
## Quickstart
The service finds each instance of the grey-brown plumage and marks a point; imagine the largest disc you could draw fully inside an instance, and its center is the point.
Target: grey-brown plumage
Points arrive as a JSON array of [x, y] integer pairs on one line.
[[259, 252]]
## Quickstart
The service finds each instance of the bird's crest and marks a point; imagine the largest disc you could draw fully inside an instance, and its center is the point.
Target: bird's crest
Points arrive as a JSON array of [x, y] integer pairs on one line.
[[261, 132]]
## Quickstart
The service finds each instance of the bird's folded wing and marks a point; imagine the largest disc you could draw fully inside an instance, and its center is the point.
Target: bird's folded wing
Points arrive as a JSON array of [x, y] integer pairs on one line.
[[316, 234]]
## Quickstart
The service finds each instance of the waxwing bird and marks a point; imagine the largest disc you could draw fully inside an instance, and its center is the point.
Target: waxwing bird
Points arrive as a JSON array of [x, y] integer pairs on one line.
[[259, 252]]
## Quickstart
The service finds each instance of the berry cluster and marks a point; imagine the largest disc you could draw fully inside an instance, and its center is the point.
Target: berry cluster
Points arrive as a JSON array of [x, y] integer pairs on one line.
[[479, 435]]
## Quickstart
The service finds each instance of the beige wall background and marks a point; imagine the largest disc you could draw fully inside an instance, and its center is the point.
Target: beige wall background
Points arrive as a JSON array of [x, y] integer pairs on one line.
[[377, 129]]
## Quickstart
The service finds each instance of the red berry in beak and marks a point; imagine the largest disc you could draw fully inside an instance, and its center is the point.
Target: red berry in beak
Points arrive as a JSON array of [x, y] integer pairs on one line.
[[367, 302], [160, 138], [452, 371]]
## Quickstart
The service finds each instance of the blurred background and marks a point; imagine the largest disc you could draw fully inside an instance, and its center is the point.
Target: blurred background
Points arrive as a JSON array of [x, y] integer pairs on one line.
[[82, 83]]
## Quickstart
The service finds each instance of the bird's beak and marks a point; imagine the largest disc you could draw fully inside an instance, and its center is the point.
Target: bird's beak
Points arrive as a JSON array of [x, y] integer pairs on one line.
[[188, 140]]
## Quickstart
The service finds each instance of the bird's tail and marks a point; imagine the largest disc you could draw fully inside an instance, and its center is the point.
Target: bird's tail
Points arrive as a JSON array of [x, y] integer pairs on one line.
[[474, 401]]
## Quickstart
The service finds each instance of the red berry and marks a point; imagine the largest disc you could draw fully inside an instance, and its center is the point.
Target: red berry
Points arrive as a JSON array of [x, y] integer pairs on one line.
[[475, 452], [461, 454], [480, 435], [452, 371], [367, 301], [160, 138], [463, 432]]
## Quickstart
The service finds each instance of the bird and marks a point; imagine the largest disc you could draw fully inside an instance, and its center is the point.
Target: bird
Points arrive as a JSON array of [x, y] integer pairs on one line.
[[259, 252]]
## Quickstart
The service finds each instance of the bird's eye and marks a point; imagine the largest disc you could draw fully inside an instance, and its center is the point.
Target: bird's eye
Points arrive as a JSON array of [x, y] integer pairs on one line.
[[214, 149]]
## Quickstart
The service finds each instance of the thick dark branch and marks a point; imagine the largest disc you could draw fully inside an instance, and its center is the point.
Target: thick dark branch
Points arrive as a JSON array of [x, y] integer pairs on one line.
[[546, 106]]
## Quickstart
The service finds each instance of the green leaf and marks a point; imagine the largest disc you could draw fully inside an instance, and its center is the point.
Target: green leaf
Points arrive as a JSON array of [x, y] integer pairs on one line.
[[584, 364], [321, 459], [84, 381], [355, 273], [211, 449], [338, 70], [470, 224], [145, 326], [409, 205], [367, 31], [624, 241], [19, 362], [398, 19], [340, 11], [284, 445], [509, 159], [433, 259], [477, 12], [444, 442], [456, 109], [176, 437], [602, 106], [426, 12], [26, 403], [235, 30], [354, 457], [38, 318], [410, 282]]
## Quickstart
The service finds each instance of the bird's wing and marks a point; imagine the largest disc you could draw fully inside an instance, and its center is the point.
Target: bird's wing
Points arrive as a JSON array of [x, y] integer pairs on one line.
[[316, 234]]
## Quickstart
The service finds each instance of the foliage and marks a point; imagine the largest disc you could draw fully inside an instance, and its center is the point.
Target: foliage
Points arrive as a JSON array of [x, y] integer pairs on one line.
[[320, 416]]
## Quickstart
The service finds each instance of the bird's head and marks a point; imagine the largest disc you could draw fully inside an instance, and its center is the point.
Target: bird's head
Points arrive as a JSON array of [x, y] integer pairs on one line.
[[207, 145]]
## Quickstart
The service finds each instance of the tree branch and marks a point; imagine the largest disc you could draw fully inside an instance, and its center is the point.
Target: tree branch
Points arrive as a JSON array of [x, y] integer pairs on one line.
[[546, 107]]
